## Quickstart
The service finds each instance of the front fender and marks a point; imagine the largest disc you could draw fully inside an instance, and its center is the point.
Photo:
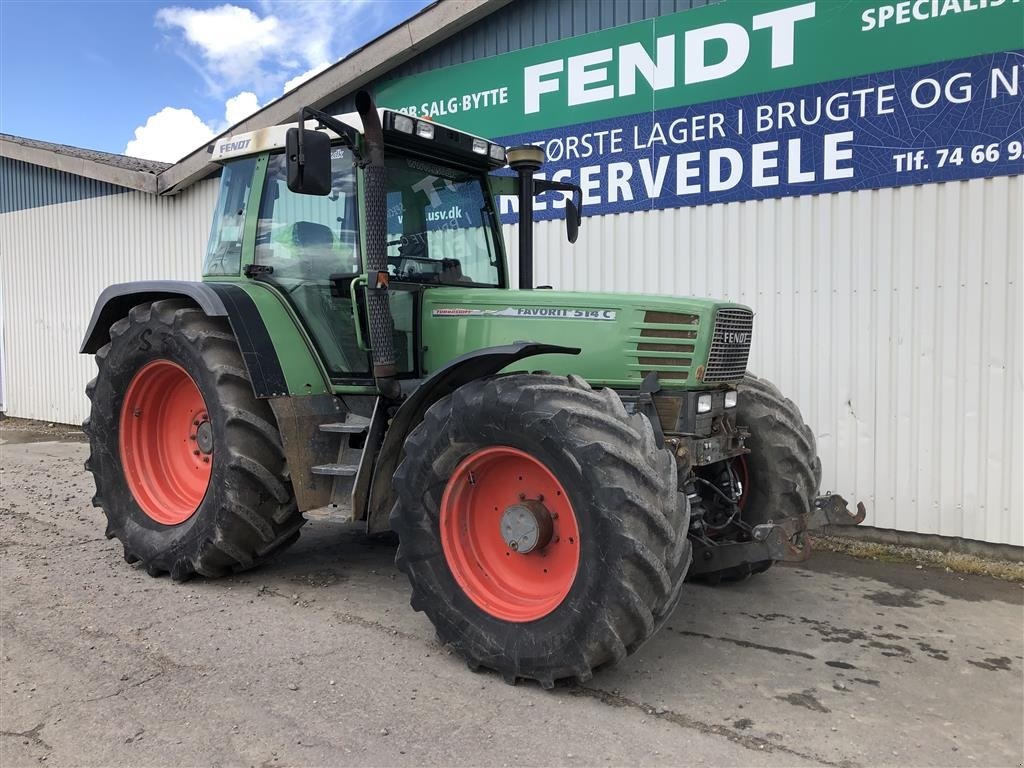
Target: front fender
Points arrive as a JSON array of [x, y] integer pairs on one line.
[[263, 327], [469, 367]]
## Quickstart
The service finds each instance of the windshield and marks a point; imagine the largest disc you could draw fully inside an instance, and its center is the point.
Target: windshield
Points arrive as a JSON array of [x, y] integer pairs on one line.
[[224, 251], [440, 225]]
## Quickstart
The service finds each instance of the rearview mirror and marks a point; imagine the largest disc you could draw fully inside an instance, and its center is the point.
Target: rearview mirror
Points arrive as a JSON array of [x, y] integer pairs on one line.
[[309, 161], [572, 221]]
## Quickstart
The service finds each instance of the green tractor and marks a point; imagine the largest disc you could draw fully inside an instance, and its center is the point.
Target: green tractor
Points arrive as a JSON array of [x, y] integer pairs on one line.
[[554, 464]]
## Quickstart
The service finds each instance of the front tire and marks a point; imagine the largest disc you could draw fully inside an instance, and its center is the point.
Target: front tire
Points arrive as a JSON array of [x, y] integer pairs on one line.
[[188, 463], [597, 583]]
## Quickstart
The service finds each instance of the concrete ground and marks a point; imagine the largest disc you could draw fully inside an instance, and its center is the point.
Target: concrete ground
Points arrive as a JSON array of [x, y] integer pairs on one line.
[[317, 659]]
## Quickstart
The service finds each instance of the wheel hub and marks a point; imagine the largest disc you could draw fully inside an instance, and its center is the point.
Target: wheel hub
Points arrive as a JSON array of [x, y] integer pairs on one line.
[[204, 435], [526, 526]]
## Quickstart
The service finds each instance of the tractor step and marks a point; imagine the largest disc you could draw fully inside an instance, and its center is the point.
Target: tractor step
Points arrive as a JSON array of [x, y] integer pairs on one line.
[[328, 514], [353, 425], [338, 470]]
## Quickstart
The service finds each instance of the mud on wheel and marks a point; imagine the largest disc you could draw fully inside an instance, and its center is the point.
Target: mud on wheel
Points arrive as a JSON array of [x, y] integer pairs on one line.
[[188, 464], [540, 526], [781, 474]]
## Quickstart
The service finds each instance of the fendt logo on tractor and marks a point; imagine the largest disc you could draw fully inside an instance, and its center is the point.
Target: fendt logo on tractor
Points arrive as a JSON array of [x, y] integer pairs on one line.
[[352, 354]]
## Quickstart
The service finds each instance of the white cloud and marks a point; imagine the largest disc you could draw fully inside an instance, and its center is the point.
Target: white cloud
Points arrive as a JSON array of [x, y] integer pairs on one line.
[[172, 133], [256, 53], [231, 40], [260, 51], [239, 107], [298, 80], [169, 135]]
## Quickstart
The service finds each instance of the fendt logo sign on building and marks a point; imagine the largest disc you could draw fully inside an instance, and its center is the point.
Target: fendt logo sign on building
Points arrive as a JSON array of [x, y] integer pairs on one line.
[[750, 100]]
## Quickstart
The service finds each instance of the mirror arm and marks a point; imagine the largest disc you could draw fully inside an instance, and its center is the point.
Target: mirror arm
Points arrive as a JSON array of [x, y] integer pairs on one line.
[[346, 132], [544, 185]]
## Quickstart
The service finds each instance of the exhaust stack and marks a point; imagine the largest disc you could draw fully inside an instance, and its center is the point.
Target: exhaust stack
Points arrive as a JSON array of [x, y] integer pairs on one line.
[[378, 307]]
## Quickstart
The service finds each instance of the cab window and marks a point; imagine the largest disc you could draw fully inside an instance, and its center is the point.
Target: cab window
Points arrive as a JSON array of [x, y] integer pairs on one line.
[[224, 251], [309, 236], [441, 226]]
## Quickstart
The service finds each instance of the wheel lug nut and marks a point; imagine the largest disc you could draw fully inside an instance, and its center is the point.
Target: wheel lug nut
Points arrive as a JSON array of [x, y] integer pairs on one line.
[[195, 453], [206, 459], [191, 437], [522, 497]]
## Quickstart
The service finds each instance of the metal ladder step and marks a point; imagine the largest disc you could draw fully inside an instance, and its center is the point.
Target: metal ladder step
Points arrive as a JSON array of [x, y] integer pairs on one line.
[[353, 425], [339, 470], [329, 514]]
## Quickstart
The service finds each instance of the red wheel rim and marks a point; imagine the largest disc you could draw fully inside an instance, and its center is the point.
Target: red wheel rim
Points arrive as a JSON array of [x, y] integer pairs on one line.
[[506, 583], [166, 442]]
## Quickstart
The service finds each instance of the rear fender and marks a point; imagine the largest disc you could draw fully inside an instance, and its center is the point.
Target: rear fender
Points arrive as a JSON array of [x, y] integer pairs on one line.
[[462, 370], [263, 327]]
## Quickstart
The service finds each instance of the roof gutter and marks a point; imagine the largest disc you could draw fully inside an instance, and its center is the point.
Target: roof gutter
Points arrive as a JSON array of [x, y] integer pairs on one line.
[[90, 169], [434, 24]]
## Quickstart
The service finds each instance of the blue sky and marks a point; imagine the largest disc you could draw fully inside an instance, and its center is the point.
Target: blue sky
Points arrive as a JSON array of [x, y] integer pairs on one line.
[[157, 79]]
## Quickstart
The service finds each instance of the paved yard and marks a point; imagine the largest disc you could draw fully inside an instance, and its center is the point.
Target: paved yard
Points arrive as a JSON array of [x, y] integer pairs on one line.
[[317, 659]]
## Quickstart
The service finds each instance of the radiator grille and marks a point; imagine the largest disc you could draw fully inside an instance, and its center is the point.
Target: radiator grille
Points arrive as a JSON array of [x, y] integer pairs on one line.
[[730, 345], [669, 350]]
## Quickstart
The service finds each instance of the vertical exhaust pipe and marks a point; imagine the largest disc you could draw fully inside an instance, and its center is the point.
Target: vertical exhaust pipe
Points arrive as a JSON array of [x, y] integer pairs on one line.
[[525, 160], [378, 307]]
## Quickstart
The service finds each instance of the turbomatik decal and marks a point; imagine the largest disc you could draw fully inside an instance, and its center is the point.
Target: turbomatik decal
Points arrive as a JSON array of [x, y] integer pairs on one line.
[[548, 313]]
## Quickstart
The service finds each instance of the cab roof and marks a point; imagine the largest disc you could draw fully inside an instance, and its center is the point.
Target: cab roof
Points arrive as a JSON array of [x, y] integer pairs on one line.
[[273, 137]]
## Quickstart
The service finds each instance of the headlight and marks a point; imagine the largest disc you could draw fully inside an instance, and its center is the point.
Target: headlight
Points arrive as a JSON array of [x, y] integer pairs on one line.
[[403, 123], [424, 129], [704, 403], [480, 146], [730, 398], [498, 152]]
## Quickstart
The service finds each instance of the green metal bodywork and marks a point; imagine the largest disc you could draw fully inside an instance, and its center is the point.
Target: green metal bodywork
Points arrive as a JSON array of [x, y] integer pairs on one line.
[[607, 327], [619, 344]]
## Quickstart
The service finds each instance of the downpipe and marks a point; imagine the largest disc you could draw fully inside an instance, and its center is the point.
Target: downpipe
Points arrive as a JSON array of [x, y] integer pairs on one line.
[[378, 306]]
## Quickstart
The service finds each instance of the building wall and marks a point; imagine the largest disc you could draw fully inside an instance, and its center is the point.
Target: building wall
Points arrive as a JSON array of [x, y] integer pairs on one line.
[[56, 259], [892, 317]]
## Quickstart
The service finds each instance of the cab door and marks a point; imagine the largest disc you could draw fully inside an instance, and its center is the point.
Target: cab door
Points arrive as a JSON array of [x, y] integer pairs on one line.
[[307, 246]]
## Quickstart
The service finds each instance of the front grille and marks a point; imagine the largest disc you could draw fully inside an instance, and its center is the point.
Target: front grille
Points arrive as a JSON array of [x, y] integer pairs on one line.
[[730, 345], [669, 351]]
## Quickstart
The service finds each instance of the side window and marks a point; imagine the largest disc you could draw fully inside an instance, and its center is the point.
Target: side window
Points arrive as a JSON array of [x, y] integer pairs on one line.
[[224, 251], [308, 237], [440, 225]]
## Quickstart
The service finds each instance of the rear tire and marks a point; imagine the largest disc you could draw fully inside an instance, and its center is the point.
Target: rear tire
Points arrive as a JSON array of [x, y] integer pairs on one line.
[[633, 551], [247, 511], [784, 471]]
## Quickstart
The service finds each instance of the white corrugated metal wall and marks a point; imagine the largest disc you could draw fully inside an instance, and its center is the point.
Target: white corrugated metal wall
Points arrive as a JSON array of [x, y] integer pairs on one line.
[[892, 317], [54, 262]]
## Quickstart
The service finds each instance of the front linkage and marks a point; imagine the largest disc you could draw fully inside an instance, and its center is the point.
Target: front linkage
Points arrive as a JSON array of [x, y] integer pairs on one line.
[[774, 541]]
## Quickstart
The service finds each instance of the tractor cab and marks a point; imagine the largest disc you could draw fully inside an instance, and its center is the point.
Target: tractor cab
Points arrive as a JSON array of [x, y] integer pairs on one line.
[[299, 223]]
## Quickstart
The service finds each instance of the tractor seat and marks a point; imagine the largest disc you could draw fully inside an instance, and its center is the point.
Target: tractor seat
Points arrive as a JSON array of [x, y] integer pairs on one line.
[[308, 234]]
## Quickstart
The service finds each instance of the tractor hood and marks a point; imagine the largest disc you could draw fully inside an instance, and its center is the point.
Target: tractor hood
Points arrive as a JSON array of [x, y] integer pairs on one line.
[[690, 343]]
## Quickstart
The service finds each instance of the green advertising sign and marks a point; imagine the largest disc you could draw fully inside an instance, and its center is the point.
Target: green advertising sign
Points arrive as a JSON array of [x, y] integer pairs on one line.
[[731, 49]]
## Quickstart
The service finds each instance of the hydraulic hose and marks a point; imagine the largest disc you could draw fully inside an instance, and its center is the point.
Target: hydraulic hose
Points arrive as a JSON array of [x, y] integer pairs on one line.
[[378, 307]]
